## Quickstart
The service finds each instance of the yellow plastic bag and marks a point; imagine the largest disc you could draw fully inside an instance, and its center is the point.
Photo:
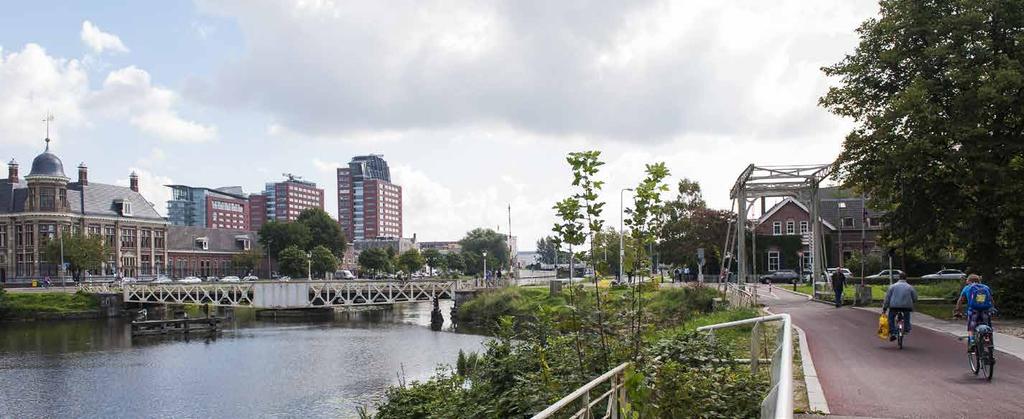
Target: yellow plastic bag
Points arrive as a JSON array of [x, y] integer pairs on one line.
[[883, 327]]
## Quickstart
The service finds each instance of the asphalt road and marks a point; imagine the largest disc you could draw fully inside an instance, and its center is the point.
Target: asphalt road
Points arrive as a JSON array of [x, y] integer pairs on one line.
[[861, 375]]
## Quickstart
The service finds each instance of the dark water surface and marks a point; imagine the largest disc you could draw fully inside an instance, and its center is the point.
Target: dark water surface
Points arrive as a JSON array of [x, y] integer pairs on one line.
[[254, 368]]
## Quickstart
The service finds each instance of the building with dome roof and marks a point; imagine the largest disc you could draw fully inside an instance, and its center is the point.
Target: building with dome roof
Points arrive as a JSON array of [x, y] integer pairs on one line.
[[45, 204]]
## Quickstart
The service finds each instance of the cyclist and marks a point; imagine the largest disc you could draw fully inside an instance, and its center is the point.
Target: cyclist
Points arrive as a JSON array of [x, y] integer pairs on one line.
[[980, 306], [899, 298]]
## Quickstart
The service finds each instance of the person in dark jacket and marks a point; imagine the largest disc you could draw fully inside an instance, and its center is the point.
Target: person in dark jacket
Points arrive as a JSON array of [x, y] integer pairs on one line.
[[838, 282]]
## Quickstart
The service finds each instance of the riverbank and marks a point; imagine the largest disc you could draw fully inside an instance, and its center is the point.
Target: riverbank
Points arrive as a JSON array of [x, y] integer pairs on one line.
[[545, 346], [25, 306]]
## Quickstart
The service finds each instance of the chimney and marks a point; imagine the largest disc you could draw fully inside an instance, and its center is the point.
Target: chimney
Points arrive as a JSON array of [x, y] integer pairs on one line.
[[83, 175], [133, 180], [12, 171]]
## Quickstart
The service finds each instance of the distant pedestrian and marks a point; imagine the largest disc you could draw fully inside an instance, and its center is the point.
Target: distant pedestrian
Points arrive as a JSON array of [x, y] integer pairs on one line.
[[838, 282]]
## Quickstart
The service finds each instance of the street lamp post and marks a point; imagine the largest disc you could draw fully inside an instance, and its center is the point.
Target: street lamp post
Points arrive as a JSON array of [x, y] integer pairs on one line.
[[63, 281], [622, 233], [485, 267], [309, 266]]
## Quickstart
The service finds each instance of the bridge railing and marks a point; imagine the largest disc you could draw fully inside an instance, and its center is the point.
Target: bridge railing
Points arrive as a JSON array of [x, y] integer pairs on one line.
[[778, 403], [608, 403]]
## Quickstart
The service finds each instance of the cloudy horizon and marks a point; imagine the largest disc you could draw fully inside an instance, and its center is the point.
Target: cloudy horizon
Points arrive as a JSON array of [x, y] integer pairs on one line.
[[473, 105]]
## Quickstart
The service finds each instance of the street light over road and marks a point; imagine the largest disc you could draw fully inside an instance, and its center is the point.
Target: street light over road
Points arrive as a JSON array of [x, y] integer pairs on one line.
[[622, 233]]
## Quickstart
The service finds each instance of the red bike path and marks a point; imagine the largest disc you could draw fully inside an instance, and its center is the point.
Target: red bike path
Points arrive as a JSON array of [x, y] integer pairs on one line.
[[863, 376]]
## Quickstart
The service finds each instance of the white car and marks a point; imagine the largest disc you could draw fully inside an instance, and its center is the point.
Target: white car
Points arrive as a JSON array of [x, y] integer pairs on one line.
[[230, 278], [344, 274], [212, 279], [190, 280], [129, 280], [846, 272], [251, 278], [896, 274], [162, 280], [946, 274], [284, 278]]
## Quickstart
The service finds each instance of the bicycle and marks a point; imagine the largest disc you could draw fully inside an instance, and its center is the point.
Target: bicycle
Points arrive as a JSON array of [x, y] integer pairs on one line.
[[981, 354], [900, 331]]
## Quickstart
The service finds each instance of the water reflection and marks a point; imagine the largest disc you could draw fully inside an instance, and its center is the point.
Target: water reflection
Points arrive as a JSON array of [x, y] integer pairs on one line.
[[255, 368]]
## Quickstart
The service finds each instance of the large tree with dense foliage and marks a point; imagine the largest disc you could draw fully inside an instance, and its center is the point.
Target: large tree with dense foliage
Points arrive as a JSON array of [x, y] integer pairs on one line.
[[479, 240], [323, 261], [81, 252], [275, 236], [248, 260], [411, 261], [434, 259], [323, 230], [292, 261], [549, 252], [936, 90], [690, 225], [375, 261]]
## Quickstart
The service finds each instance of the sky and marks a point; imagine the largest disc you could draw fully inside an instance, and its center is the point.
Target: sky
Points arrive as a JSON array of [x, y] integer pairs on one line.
[[473, 104]]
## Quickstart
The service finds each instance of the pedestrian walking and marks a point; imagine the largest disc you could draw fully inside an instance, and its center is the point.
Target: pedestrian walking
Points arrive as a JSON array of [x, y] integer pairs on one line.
[[838, 282]]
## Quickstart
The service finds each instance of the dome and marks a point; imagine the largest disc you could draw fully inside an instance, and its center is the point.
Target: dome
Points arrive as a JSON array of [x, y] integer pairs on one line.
[[47, 164]]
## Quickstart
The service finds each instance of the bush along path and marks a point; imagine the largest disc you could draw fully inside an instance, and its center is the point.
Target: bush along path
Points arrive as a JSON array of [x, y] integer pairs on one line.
[[544, 348]]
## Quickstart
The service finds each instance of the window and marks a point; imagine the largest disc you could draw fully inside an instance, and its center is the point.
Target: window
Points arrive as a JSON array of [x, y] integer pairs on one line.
[[874, 222], [790, 227], [804, 227], [777, 228], [146, 237], [158, 239], [19, 237], [124, 206], [47, 232], [127, 237], [47, 199], [773, 261], [109, 234], [3, 235], [94, 230], [848, 222], [202, 243]]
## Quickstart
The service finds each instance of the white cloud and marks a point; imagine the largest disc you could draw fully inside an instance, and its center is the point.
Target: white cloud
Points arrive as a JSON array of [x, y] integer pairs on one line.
[[129, 91], [325, 166], [644, 71], [151, 186], [33, 83], [100, 41]]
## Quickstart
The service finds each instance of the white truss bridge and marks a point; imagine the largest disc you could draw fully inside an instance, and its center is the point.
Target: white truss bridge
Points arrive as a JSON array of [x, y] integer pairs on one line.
[[290, 295]]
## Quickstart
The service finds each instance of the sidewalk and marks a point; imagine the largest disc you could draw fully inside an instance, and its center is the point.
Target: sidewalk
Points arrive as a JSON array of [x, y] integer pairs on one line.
[[1008, 344]]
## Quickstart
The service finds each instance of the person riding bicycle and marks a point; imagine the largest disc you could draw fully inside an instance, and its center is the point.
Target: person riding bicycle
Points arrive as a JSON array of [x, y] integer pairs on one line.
[[980, 305], [900, 298]]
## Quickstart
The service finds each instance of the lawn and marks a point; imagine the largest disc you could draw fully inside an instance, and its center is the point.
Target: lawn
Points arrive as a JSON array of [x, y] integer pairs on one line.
[[50, 302], [942, 289]]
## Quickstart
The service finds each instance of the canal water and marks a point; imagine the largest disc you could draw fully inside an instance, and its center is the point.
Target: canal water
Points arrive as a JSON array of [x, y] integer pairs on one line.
[[254, 368]]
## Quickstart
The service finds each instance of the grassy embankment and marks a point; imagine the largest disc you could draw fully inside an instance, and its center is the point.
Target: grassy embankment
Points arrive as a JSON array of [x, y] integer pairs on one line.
[[16, 305], [546, 345], [938, 298]]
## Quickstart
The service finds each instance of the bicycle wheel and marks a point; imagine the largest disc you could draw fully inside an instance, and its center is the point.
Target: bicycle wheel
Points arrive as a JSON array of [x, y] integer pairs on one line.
[[990, 362], [899, 335], [974, 361]]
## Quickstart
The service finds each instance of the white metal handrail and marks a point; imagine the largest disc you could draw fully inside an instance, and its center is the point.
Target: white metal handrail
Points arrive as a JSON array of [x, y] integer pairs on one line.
[[778, 403], [613, 398]]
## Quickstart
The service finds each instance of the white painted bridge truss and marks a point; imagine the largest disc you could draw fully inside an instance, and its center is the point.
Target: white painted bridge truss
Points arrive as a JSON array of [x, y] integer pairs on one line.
[[286, 295]]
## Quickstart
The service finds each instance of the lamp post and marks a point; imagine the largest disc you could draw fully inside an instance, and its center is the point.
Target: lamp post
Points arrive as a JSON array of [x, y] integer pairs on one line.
[[485, 267], [309, 266], [622, 233], [60, 233]]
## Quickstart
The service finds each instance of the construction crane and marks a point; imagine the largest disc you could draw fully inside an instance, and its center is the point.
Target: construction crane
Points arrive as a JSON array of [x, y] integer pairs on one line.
[[291, 176]]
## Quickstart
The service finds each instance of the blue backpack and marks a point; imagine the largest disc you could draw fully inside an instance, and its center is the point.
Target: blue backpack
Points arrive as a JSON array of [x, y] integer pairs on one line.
[[979, 297]]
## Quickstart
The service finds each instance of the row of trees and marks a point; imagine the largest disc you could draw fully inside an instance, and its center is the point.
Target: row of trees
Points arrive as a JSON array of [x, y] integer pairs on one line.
[[470, 261], [312, 244]]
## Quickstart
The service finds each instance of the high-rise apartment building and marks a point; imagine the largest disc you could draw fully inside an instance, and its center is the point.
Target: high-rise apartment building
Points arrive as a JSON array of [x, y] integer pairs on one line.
[[369, 205], [284, 201], [258, 211], [219, 208]]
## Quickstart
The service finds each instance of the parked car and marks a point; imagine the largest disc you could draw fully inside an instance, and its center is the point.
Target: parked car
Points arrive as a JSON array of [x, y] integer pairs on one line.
[[344, 274], [190, 280], [230, 278], [846, 272], [129, 280], [162, 280], [896, 274], [284, 278], [251, 278], [212, 279], [782, 275], [946, 274]]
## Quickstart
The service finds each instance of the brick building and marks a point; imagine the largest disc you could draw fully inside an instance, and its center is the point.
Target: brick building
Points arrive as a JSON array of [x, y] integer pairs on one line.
[[369, 205], [226, 207], [46, 204], [284, 201], [203, 252], [257, 211]]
